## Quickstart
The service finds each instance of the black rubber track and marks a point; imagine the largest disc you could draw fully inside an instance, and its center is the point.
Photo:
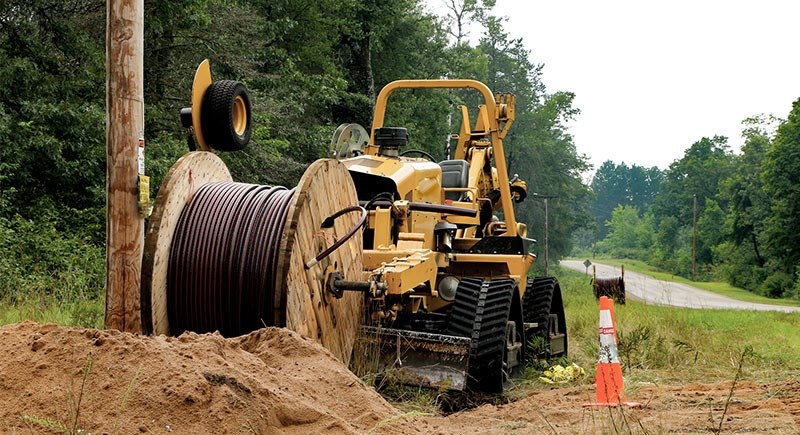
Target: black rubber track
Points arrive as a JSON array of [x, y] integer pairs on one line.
[[481, 311], [557, 308], [462, 318], [542, 298]]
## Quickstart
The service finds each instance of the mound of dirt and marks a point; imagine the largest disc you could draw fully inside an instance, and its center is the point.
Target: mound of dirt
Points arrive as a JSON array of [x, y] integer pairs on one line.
[[270, 381], [273, 381]]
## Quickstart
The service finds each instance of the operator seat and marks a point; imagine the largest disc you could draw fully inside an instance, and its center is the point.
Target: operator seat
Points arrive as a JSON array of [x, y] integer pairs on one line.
[[455, 173]]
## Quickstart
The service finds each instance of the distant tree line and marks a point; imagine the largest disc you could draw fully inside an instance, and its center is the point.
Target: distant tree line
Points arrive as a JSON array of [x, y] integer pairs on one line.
[[309, 65], [747, 213]]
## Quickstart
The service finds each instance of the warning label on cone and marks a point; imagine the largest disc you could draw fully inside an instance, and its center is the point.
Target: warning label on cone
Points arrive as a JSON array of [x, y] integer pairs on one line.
[[608, 341]]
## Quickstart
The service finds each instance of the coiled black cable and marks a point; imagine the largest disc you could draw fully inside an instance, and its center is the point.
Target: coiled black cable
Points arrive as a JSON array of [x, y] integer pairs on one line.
[[223, 260], [613, 288]]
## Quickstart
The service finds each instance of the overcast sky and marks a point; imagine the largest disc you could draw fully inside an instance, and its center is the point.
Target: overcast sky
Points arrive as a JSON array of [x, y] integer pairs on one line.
[[653, 77]]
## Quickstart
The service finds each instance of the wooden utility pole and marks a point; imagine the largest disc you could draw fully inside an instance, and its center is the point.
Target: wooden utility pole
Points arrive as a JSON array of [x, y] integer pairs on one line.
[[124, 129], [694, 237], [546, 228], [546, 236]]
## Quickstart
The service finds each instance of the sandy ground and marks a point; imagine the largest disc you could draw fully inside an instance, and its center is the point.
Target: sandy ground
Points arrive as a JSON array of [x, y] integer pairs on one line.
[[272, 381]]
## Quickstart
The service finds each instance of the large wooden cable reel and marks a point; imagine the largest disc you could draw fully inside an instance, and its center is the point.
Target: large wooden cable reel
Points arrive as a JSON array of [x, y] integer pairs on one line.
[[299, 301]]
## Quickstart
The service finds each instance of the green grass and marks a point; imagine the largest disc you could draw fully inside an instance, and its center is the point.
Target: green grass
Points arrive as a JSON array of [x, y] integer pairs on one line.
[[721, 288], [46, 309], [50, 275], [669, 344]]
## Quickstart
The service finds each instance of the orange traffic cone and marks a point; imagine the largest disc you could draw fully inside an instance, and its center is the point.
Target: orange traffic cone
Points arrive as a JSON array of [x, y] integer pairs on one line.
[[609, 371]]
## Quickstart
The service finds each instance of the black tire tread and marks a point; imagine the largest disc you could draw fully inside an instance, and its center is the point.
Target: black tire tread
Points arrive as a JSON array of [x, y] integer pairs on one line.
[[217, 116]]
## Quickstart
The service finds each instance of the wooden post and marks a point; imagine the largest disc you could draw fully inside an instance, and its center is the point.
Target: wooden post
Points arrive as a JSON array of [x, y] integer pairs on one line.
[[124, 129], [694, 237], [546, 236]]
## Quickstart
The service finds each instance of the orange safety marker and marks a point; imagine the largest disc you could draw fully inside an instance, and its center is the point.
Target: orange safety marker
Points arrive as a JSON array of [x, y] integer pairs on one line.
[[608, 379]]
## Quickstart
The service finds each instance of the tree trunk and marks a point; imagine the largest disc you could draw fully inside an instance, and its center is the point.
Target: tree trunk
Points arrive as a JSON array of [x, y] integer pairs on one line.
[[366, 71]]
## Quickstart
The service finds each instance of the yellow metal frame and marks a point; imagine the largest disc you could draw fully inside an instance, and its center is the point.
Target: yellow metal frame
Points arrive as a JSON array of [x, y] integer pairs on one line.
[[408, 265], [494, 119], [202, 80]]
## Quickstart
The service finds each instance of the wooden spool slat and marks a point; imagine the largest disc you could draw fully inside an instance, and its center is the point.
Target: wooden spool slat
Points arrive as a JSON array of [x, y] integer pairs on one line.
[[324, 189], [185, 176], [301, 303]]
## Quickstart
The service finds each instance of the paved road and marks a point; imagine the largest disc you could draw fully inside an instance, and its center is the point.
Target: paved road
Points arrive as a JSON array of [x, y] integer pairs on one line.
[[659, 292]]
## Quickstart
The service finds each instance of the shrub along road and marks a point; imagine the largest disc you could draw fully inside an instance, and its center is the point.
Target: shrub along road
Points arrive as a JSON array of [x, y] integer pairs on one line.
[[654, 291]]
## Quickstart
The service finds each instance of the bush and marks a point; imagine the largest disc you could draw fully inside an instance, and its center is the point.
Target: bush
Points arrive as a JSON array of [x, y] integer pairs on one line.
[[794, 292], [776, 285], [50, 268]]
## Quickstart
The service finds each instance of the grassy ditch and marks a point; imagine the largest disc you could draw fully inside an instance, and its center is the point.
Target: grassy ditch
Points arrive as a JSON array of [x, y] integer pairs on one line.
[[669, 344]]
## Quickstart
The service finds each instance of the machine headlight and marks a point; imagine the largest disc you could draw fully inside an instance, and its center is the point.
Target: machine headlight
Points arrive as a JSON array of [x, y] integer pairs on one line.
[[448, 287]]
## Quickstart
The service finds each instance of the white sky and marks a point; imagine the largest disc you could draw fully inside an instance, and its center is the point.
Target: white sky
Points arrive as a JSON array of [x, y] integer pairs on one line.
[[653, 77]]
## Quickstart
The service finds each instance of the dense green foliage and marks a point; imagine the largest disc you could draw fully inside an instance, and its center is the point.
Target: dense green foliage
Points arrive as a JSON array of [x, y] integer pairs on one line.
[[743, 208], [616, 185], [309, 66]]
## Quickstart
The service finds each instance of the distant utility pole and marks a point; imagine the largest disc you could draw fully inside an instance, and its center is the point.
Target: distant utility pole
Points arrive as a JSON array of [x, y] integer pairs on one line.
[[546, 236], [694, 237], [124, 132], [546, 229]]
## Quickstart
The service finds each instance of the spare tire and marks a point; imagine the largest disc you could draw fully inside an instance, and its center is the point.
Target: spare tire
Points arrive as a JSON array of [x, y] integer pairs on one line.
[[226, 116]]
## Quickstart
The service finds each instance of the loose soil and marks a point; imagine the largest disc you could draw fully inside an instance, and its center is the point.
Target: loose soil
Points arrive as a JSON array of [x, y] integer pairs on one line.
[[273, 381]]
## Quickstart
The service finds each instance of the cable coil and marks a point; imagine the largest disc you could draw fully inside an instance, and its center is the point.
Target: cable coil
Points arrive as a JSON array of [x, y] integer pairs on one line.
[[224, 258], [613, 288]]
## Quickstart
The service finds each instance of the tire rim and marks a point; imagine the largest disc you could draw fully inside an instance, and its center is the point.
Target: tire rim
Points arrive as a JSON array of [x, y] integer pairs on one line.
[[239, 115]]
